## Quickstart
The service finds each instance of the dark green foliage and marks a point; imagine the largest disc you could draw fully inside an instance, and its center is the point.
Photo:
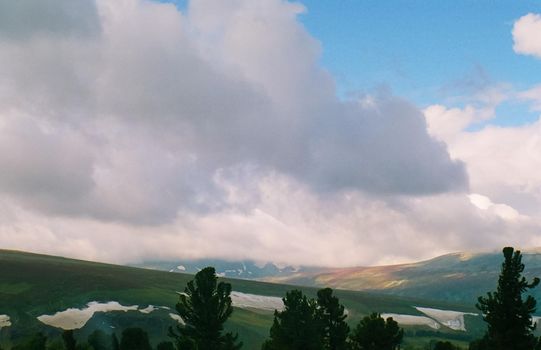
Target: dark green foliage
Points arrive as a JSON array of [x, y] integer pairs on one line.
[[507, 314], [297, 326], [375, 333], [56, 344], [331, 314], [205, 306], [36, 343], [445, 345], [458, 336], [134, 339], [99, 340], [479, 344], [115, 344], [165, 345], [69, 340]]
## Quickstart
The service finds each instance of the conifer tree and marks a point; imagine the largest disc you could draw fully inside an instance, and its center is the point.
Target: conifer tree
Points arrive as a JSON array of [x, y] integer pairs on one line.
[[375, 333], [99, 340], [165, 345], [445, 345], [134, 339], [205, 306], [332, 316], [297, 327], [69, 339], [508, 315], [37, 342], [115, 344]]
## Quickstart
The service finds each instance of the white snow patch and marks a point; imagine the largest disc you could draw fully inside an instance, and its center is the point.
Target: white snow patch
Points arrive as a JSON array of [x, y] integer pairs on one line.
[[76, 318], [536, 320], [4, 321], [411, 320], [448, 318], [220, 274], [181, 268], [148, 309], [177, 318], [260, 264], [254, 301]]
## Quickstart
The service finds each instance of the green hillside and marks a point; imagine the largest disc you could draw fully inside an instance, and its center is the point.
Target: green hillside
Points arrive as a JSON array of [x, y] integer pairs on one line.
[[32, 285], [459, 277]]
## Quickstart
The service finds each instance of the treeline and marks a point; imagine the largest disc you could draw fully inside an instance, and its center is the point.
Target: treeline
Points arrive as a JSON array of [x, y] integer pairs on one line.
[[131, 339], [317, 324], [304, 323]]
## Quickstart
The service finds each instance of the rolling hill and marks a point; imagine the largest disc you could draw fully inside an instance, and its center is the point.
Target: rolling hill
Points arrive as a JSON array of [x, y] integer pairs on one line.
[[33, 285], [459, 277]]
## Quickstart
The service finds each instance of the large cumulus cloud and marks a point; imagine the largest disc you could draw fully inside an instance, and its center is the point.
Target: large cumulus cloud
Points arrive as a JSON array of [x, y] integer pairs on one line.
[[130, 130], [132, 122]]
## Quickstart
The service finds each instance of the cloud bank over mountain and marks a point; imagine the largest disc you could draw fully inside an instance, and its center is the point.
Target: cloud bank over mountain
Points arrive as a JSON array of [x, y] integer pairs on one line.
[[131, 129]]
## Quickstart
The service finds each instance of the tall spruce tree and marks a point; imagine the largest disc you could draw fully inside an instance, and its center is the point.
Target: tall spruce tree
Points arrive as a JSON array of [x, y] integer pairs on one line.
[[332, 316], [205, 306], [508, 314], [134, 339], [69, 340], [37, 342], [99, 340], [165, 345], [298, 326], [444, 345], [115, 344], [375, 333]]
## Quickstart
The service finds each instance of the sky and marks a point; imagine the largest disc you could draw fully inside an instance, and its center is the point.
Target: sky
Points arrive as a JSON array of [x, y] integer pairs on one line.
[[330, 133]]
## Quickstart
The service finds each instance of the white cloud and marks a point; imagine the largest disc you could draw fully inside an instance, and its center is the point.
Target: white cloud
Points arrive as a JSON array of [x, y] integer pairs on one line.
[[343, 230], [216, 133], [532, 95], [503, 162], [160, 101], [502, 210], [527, 35], [446, 123]]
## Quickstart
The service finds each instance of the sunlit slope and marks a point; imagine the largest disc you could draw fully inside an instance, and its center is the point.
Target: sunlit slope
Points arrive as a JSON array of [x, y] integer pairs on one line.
[[32, 285], [460, 277]]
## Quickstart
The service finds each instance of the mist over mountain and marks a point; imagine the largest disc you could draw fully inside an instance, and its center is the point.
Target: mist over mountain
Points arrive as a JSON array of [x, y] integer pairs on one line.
[[456, 277]]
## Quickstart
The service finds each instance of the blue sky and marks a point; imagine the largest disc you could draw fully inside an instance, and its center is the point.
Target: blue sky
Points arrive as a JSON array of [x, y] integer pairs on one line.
[[426, 51], [418, 44]]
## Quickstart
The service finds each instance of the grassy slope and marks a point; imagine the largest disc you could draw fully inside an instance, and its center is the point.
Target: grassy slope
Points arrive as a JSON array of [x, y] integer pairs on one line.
[[32, 285], [454, 278]]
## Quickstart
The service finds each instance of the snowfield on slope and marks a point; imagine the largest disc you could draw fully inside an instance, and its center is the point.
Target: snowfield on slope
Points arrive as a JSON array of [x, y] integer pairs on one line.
[[73, 318], [411, 320], [448, 318], [536, 320], [177, 318], [4, 321], [255, 301]]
